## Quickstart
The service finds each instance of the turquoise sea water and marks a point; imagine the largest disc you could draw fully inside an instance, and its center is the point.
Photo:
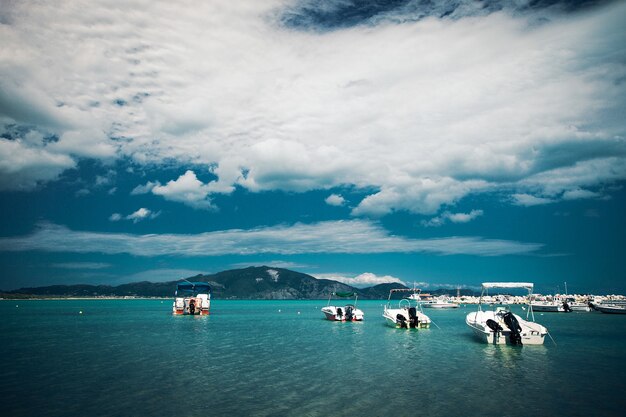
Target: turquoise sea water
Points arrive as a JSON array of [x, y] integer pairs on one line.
[[281, 358]]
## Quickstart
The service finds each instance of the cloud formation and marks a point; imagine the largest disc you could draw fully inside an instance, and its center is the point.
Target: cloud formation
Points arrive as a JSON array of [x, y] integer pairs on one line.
[[447, 216], [528, 200], [335, 200], [186, 189], [366, 279], [424, 111], [346, 237], [137, 216]]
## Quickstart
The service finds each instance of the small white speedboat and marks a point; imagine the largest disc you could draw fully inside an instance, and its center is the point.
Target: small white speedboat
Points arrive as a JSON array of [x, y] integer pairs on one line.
[[501, 326], [611, 308], [407, 315], [550, 306], [438, 303], [192, 298], [579, 306], [348, 312]]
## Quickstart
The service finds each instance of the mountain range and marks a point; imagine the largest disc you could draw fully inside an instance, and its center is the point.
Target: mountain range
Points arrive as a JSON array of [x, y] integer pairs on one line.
[[262, 282]]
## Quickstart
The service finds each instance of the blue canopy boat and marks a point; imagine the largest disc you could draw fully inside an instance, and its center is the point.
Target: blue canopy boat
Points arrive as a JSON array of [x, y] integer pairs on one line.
[[192, 298]]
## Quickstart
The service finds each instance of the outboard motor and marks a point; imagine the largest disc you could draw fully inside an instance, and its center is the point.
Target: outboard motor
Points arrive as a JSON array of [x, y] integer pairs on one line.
[[515, 338], [413, 320], [566, 307], [493, 325], [349, 313], [401, 320]]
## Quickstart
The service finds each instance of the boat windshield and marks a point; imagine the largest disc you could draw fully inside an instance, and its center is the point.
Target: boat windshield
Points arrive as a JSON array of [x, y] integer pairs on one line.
[[193, 288]]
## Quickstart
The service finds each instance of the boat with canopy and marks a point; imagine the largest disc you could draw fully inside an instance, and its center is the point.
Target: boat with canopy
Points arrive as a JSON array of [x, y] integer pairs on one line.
[[192, 298], [501, 326], [347, 312], [408, 314]]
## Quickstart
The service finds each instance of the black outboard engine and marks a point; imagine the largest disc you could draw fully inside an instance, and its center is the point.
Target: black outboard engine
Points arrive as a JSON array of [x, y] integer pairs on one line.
[[566, 307], [401, 321], [493, 325], [349, 313], [413, 320], [515, 338]]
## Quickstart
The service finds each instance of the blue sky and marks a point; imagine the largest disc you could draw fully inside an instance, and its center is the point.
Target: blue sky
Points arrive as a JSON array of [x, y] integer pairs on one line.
[[443, 144]]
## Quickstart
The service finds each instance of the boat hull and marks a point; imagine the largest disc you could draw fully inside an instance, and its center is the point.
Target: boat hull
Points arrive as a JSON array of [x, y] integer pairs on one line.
[[391, 318], [334, 313], [608, 309], [199, 305], [531, 333], [548, 308], [580, 307], [440, 305]]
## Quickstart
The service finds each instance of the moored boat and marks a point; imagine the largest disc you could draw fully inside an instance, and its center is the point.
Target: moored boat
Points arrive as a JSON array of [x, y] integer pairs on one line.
[[439, 302], [577, 306], [501, 325], [192, 298], [407, 315], [551, 306], [611, 308], [348, 312]]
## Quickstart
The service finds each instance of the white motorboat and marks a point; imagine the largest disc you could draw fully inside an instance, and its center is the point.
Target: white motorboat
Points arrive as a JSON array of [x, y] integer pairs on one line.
[[551, 306], [440, 302], [578, 306], [407, 315], [611, 308], [501, 326], [192, 298], [347, 312]]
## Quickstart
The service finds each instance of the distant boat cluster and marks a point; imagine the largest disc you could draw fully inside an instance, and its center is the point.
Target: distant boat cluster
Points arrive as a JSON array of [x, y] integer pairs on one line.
[[493, 322]]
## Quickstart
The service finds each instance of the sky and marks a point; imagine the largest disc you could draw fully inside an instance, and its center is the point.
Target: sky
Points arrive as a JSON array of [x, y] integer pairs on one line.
[[438, 144]]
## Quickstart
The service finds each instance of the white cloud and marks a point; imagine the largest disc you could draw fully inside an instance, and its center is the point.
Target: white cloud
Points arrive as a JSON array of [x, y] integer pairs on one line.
[[272, 264], [488, 102], [144, 189], [135, 217], [580, 194], [187, 189], [366, 279], [350, 237], [115, 217], [142, 214], [528, 200], [453, 217], [335, 200], [23, 167], [81, 265]]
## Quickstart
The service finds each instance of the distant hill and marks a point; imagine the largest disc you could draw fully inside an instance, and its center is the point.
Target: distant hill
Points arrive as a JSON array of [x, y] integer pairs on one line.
[[248, 283]]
